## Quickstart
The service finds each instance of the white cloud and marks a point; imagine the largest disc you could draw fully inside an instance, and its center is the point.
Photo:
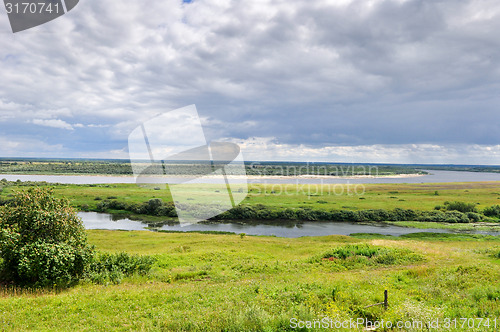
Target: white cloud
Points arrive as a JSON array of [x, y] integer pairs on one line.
[[54, 123], [22, 147], [268, 149]]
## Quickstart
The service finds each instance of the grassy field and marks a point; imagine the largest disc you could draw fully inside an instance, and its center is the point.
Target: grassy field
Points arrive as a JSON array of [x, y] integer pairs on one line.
[[204, 282], [351, 197], [211, 282]]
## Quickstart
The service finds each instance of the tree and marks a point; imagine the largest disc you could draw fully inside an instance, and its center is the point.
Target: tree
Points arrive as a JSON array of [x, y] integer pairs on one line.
[[42, 240]]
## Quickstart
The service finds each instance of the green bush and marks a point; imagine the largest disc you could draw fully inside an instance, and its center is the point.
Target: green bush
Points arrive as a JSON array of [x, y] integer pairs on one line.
[[154, 207], [356, 255], [351, 250], [492, 211], [113, 267], [448, 216], [42, 240], [48, 263], [474, 217], [461, 207]]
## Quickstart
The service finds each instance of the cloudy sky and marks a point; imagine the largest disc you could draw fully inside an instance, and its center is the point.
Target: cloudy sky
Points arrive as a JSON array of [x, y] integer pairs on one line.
[[325, 80]]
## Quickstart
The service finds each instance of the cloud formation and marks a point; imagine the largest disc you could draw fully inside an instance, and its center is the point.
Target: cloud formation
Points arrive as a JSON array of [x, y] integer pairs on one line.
[[353, 74], [54, 123]]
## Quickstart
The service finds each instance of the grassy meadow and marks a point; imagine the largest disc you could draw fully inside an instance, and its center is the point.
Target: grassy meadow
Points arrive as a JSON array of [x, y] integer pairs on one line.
[[205, 282], [423, 196], [234, 282]]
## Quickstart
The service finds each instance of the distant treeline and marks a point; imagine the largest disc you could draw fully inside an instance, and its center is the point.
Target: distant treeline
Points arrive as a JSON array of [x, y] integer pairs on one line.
[[460, 168], [453, 212], [326, 169], [123, 167]]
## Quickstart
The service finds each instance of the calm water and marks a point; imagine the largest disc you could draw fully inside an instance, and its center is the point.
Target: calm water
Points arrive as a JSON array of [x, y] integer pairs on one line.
[[434, 177], [93, 220]]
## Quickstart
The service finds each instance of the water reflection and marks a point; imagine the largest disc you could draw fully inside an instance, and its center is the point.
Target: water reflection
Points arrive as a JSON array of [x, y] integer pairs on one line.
[[93, 220]]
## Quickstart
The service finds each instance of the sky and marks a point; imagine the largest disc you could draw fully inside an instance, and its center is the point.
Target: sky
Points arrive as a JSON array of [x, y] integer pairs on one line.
[[388, 81]]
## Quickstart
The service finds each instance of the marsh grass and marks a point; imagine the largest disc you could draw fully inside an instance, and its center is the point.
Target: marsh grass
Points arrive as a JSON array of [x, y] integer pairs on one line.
[[353, 256]]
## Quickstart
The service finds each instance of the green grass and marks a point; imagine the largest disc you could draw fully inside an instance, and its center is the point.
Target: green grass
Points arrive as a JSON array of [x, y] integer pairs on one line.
[[479, 226], [211, 282], [325, 197], [376, 196], [419, 197]]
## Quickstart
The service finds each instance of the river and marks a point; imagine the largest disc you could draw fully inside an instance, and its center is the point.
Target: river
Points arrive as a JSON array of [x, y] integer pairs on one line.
[[93, 220], [433, 177]]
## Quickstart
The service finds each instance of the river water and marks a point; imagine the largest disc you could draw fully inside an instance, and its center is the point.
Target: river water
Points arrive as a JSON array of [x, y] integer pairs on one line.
[[433, 177], [93, 220]]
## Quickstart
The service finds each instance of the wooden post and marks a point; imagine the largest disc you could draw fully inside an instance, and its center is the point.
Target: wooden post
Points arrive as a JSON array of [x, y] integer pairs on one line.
[[386, 302]]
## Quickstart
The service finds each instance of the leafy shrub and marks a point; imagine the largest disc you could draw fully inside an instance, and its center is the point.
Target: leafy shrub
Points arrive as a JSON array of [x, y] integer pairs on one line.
[[154, 207], [113, 267], [351, 250], [352, 255], [102, 206], [372, 215], [448, 216], [306, 214], [343, 215], [456, 217], [288, 214], [461, 206], [492, 211], [42, 240], [432, 216], [403, 215], [474, 217], [167, 210], [240, 212], [48, 263]]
